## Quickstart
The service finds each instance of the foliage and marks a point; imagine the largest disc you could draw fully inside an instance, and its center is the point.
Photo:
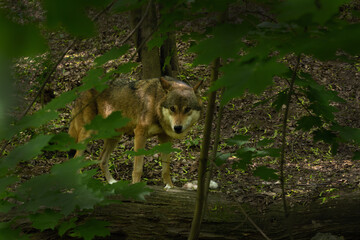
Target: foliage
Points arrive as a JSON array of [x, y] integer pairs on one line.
[[254, 50]]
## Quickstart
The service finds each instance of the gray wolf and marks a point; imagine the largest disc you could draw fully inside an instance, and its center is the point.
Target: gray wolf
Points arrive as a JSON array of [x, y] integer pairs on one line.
[[164, 107]]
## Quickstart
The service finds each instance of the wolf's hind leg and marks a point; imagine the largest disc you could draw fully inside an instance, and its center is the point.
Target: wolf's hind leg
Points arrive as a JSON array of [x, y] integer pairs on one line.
[[109, 145], [82, 135]]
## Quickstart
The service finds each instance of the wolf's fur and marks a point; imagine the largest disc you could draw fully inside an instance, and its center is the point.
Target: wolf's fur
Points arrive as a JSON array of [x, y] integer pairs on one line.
[[163, 107]]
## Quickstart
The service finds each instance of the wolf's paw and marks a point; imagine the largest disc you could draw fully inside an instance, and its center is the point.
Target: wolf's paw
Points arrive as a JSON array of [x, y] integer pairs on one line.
[[112, 181], [168, 187]]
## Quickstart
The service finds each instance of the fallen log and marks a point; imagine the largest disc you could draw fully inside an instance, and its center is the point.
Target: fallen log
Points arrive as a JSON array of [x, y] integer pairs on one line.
[[168, 215]]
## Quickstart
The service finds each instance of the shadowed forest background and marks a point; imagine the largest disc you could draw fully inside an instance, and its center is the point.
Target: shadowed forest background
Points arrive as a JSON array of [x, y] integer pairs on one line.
[[279, 133]]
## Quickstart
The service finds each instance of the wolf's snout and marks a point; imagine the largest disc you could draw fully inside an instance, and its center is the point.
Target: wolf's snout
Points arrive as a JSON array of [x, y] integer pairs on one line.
[[178, 128]]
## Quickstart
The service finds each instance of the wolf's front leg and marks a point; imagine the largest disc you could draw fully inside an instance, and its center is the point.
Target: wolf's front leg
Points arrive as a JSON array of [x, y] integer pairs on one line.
[[138, 169], [165, 161], [139, 143]]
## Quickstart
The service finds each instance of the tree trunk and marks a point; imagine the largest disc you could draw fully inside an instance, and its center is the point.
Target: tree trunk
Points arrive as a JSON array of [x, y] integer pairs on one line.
[[150, 58], [168, 56], [155, 62]]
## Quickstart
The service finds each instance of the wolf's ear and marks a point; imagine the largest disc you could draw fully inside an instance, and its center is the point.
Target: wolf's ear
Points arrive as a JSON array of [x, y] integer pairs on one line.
[[165, 84], [197, 85]]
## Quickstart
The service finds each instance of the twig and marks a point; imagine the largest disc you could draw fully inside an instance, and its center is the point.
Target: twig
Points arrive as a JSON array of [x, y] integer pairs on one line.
[[247, 217]]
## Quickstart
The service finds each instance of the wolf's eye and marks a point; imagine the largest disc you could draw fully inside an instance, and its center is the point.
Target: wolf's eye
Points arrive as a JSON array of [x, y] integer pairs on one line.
[[172, 108], [187, 110]]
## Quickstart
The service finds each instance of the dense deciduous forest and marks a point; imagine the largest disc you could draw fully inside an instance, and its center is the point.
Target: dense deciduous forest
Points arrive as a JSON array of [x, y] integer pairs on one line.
[[279, 134]]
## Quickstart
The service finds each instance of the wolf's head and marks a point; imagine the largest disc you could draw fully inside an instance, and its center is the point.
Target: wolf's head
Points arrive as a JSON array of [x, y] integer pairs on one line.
[[180, 107]]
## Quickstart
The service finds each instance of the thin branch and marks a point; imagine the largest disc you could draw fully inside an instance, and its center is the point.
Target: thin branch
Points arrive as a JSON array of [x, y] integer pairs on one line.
[[282, 157], [203, 159], [215, 150]]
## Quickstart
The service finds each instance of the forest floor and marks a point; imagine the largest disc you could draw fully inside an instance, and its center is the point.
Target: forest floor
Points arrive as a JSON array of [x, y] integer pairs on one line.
[[312, 172]]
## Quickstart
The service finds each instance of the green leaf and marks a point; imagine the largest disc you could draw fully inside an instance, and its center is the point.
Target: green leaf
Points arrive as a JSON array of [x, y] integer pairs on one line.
[[266, 173], [272, 152], [63, 142], [66, 226], [254, 76], [72, 15], [91, 228], [126, 67], [264, 142], [281, 99], [94, 79], [106, 128], [64, 188], [31, 121], [225, 42], [136, 191], [20, 40], [156, 41], [5, 182], [6, 206], [7, 232], [126, 5], [307, 11], [308, 122], [348, 134], [45, 220], [325, 135], [113, 53], [161, 148], [238, 140], [356, 155], [62, 100], [246, 155], [24, 153], [221, 158]]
